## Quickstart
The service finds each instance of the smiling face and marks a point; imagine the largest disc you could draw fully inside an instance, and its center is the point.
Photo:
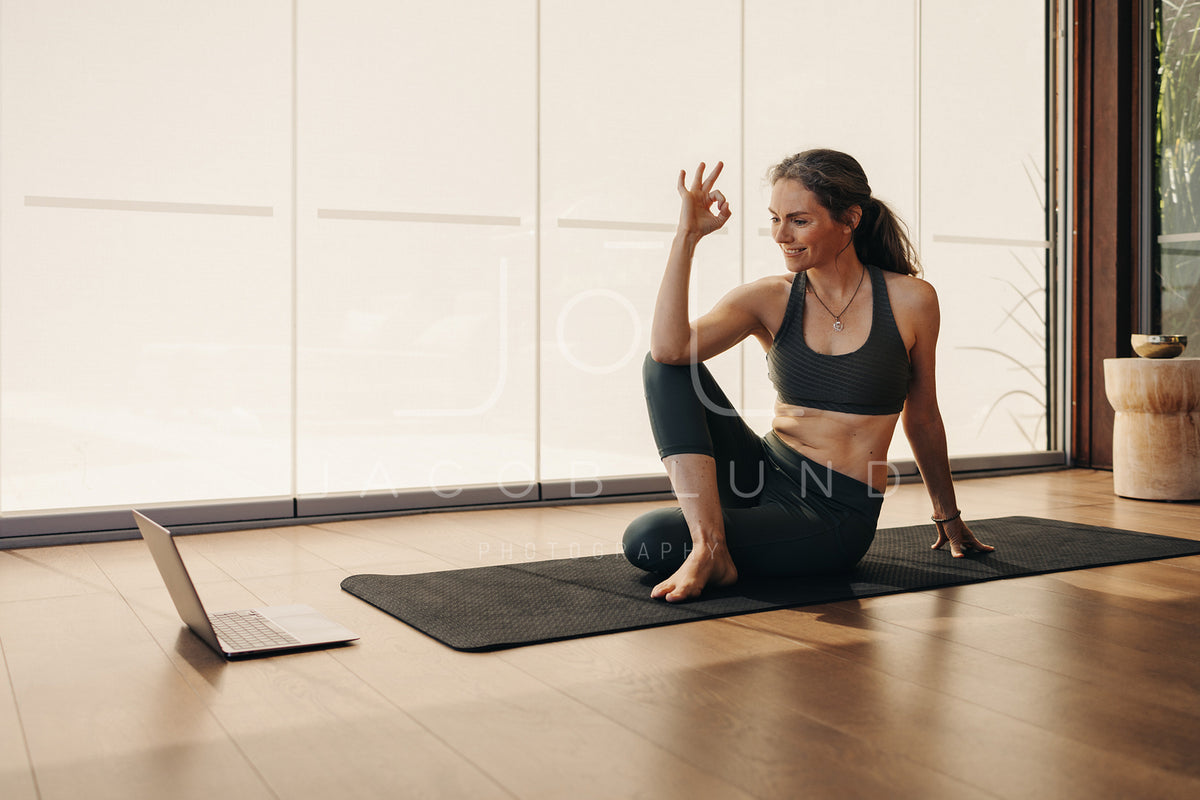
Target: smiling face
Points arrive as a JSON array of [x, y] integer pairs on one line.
[[802, 227]]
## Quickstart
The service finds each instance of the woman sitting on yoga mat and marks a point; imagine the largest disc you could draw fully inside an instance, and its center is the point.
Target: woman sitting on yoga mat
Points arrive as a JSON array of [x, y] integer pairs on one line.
[[805, 498]]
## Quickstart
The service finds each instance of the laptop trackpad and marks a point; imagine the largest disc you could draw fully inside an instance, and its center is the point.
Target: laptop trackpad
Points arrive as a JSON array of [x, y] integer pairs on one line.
[[306, 623]]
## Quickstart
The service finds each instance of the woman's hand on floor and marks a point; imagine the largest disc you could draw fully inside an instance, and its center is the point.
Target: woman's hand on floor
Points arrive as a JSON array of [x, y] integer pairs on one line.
[[960, 538]]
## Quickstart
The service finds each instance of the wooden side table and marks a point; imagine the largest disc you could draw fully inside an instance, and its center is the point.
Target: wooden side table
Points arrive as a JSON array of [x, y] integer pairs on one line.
[[1156, 433]]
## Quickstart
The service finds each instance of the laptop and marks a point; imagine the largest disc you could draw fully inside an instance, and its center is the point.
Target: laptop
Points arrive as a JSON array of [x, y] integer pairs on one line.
[[236, 634]]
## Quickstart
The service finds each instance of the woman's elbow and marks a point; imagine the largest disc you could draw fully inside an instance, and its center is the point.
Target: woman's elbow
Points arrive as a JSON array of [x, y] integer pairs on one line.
[[671, 356]]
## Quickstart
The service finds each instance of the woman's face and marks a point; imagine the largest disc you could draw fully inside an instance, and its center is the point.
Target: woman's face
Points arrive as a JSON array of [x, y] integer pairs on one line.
[[802, 227]]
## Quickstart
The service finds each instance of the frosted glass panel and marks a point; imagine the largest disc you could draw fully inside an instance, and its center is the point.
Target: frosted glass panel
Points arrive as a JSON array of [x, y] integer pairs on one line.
[[853, 92], [624, 108], [144, 253], [983, 201], [417, 179]]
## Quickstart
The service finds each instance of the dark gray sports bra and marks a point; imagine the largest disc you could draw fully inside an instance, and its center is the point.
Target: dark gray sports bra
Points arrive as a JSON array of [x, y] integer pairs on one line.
[[871, 380]]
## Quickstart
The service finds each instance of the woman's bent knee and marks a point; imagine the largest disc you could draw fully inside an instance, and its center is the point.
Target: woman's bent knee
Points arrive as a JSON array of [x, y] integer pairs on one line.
[[655, 373], [657, 541]]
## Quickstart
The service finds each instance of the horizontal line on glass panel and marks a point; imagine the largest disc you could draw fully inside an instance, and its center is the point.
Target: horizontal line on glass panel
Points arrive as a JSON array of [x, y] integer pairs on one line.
[[1171, 238], [416, 216], [620, 225], [944, 239], [656, 245], [156, 206]]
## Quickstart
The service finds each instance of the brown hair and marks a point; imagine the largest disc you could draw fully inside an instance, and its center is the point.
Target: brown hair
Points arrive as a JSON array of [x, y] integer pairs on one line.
[[839, 183]]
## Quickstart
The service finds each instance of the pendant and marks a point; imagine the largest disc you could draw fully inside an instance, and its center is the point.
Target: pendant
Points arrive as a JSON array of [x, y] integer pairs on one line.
[[837, 325]]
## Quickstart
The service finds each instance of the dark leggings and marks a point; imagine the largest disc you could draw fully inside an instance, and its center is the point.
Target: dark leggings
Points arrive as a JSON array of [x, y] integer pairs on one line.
[[785, 514]]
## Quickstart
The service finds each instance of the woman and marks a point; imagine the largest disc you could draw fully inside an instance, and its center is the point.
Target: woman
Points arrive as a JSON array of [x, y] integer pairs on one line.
[[849, 333]]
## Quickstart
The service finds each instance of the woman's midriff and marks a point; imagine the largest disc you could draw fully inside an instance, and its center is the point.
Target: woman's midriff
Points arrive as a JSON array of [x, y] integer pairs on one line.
[[855, 445]]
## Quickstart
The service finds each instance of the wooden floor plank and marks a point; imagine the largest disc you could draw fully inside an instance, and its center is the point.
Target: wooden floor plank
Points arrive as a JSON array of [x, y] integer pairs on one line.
[[46, 572], [1166, 519], [16, 771], [1150, 589]]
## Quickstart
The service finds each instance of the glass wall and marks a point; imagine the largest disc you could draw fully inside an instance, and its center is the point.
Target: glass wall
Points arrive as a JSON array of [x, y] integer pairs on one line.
[[405, 254], [1175, 296]]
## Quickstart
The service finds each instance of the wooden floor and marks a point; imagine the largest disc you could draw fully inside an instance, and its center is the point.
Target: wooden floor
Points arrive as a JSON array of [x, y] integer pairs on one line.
[[1076, 685]]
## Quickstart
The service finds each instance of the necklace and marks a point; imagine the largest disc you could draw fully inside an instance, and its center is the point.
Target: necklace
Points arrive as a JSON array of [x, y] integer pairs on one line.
[[837, 318]]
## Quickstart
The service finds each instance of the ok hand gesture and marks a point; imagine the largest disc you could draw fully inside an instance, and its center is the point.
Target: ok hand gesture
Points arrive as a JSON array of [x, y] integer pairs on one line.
[[696, 215]]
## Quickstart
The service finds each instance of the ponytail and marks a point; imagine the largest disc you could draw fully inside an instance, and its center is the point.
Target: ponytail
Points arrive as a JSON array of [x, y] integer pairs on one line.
[[881, 239]]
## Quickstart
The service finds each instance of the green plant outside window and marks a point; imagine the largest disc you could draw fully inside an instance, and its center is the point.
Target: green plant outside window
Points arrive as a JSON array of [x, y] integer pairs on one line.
[[1176, 290]]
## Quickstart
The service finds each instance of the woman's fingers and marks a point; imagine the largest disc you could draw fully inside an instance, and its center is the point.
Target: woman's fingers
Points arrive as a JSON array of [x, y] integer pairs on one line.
[[723, 210], [964, 540], [970, 541], [967, 539], [700, 184], [708, 183]]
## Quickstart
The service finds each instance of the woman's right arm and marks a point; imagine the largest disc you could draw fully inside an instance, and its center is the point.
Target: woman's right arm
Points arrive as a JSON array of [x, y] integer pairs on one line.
[[674, 338]]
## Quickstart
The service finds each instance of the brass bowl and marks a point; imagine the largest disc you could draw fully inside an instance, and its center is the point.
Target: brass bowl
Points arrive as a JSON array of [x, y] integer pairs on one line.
[[1157, 345]]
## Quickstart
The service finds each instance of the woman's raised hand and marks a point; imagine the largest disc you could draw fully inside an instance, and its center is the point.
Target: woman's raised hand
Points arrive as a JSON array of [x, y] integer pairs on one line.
[[697, 216]]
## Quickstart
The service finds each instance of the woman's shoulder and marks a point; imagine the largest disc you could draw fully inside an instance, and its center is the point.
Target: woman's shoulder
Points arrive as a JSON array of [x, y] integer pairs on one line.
[[764, 289], [764, 300], [772, 282], [909, 291], [914, 307]]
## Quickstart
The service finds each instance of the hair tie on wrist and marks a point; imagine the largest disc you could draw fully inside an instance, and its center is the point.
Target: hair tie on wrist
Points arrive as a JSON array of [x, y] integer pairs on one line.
[[951, 518]]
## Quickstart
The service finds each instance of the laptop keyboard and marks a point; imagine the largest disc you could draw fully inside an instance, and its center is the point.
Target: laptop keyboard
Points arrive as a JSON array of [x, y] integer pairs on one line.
[[247, 630]]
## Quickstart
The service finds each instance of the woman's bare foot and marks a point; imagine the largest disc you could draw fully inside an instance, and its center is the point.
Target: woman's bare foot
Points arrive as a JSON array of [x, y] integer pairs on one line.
[[704, 566]]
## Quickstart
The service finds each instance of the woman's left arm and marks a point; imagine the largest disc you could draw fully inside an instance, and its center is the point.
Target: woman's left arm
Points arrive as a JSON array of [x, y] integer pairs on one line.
[[922, 420]]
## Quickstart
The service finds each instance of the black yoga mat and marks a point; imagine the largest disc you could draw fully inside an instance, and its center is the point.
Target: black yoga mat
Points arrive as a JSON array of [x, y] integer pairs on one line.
[[490, 608]]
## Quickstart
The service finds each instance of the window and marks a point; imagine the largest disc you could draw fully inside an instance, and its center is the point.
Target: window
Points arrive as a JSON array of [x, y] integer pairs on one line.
[[1175, 289]]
